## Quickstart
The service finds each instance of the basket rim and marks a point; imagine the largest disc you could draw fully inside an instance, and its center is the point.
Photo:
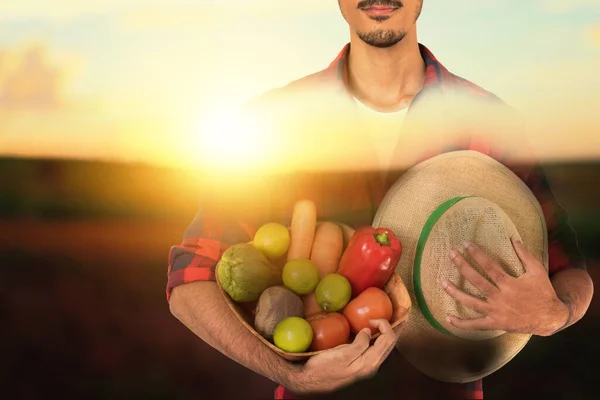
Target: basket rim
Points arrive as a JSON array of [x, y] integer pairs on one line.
[[233, 306]]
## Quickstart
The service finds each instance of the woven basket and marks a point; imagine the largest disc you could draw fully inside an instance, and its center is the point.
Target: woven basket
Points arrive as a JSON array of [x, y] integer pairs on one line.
[[394, 288]]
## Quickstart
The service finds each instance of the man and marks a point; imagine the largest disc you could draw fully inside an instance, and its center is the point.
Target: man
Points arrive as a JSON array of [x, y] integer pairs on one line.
[[383, 89]]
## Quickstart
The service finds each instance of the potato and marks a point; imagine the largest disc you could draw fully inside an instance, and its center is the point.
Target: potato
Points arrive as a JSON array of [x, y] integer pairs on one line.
[[274, 305]]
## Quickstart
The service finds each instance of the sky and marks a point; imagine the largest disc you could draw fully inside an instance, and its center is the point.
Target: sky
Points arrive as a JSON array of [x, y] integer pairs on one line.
[[137, 80]]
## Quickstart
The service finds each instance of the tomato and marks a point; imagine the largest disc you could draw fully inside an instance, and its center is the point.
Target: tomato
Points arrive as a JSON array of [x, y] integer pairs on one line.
[[372, 303], [329, 330], [300, 276], [272, 239], [310, 305], [293, 335]]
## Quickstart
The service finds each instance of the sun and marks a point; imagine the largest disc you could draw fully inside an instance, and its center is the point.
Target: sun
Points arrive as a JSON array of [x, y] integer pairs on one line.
[[230, 139]]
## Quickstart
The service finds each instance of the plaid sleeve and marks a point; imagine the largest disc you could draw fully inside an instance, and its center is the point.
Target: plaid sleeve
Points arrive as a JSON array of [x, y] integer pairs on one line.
[[225, 203], [454, 391], [281, 393], [203, 244], [563, 251], [493, 130], [465, 391]]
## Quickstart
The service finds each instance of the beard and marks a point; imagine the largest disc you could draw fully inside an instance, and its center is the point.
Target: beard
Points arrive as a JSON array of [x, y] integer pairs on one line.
[[382, 39]]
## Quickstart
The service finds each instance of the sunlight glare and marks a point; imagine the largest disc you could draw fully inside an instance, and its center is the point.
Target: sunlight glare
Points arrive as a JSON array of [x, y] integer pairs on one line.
[[232, 139]]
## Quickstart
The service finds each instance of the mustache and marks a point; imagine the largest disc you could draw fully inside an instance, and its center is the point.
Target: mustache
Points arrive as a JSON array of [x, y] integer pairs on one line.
[[385, 3]]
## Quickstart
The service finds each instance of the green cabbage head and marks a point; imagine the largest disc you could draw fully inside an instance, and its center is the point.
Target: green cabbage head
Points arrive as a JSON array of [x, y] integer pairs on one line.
[[244, 273]]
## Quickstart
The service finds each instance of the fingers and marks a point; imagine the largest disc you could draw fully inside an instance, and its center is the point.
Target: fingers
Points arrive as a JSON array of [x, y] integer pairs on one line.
[[525, 255], [370, 361], [472, 275], [348, 353], [362, 340], [382, 325], [390, 335], [466, 300], [493, 270], [360, 344], [386, 332], [484, 323]]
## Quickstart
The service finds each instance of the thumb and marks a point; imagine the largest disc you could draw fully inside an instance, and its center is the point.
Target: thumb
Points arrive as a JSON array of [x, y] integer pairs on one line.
[[531, 263]]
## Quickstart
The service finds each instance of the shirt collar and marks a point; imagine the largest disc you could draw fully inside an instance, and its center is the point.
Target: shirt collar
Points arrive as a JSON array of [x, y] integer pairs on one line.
[[435, 72]]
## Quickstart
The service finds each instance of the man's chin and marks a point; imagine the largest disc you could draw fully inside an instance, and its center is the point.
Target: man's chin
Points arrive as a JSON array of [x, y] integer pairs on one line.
[[383, 45], [381, 39]]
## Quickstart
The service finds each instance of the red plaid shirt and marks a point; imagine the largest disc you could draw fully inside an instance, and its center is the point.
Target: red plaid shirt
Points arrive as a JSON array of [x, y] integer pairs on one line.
[[355, 202]]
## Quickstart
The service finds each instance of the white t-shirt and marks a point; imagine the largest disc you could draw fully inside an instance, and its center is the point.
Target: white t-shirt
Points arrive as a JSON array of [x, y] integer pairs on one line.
[[384, 129]]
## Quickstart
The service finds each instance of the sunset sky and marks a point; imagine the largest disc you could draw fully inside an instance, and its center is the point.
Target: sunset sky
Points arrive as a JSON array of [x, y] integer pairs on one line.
[[132, 80]]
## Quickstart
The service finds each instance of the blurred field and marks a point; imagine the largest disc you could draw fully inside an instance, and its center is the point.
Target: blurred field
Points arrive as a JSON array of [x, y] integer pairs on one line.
[[83, 255]]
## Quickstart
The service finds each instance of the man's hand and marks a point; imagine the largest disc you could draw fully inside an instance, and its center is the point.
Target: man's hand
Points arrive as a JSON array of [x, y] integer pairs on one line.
[[345, 364], [527, 304]]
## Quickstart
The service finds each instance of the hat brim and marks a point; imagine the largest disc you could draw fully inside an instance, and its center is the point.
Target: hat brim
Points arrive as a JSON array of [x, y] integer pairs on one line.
[[405, 209]]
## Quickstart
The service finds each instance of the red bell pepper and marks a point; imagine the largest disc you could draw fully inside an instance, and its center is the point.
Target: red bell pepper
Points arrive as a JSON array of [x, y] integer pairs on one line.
[[370, 258]]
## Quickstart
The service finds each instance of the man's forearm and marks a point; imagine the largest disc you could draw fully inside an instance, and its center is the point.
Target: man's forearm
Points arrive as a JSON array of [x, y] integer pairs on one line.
[[201, 307], [575, 289]]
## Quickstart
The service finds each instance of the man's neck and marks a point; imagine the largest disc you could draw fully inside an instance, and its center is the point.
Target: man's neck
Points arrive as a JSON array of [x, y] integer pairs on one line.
[[386, 79]]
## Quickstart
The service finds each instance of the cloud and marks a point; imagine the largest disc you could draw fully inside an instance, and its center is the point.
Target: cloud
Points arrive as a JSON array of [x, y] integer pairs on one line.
[[593, 34], [211, 12], [59, 9], [172, 11], [161, 18], [536, 86], [560, 6], [28, 79]]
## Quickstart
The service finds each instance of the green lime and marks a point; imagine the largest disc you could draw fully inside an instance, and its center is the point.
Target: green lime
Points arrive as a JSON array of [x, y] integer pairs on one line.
[[272, 239], [293, 335], [333, 292], [300, 276]]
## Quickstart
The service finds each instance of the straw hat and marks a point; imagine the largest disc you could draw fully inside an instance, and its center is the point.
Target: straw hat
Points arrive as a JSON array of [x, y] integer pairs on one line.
[[433, 208]]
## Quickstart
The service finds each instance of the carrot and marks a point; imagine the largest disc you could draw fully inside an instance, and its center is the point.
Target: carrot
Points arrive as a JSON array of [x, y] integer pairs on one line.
[[304, 221], [327, 248], [348, 233]]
